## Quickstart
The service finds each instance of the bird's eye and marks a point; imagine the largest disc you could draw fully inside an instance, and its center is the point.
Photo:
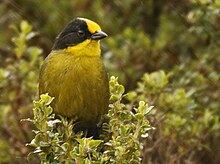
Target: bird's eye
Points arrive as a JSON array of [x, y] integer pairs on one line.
[[81, 33]]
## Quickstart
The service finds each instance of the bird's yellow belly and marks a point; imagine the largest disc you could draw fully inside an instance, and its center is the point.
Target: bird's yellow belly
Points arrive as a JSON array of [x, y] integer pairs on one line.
[[79, 85]]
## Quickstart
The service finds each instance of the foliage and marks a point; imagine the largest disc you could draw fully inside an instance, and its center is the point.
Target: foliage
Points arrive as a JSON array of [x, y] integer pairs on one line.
[[55, 141], [18, 87], [179, 120], [163, 52]]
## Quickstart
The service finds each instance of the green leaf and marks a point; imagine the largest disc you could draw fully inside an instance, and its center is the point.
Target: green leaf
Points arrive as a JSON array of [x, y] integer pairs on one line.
[[148, 110], [44, 144], [87, 161], [25, 27], [121, 89], [139, 116], [32, 143], [52, 123], [124, 130], [108, 144], [48, 111], [32, 154], [37, 104], [46, 99], [94, 143], [31, 35], [34, 51]]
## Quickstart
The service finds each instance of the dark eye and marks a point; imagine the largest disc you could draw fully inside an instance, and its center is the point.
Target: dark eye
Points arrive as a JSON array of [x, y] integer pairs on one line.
[[81, 33]]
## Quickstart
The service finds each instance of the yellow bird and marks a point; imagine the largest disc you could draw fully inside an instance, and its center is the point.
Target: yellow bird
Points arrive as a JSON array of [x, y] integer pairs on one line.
[[74, 74]]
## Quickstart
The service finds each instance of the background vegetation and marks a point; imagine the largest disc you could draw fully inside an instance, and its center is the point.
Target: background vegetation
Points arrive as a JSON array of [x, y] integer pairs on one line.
[[165, 52]]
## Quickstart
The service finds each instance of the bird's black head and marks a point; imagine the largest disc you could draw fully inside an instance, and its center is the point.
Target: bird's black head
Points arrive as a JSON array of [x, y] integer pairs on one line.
[[77, 31]]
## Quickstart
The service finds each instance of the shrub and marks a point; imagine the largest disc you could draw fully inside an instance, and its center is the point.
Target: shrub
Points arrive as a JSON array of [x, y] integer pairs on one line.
[[120, 141]]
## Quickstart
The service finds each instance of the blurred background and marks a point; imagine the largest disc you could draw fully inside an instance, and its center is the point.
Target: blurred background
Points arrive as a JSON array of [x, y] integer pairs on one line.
[[174, 41]]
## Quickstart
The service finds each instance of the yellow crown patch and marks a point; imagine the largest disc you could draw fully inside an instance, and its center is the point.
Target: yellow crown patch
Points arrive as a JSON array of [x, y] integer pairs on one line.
[[92, 26]]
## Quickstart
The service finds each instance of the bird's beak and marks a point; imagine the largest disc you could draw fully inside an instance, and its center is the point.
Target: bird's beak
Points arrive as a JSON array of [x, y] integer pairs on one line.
[[98, 35]]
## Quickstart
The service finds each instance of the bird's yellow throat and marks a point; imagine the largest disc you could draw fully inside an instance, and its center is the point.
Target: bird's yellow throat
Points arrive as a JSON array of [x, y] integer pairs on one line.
[[86, 48]]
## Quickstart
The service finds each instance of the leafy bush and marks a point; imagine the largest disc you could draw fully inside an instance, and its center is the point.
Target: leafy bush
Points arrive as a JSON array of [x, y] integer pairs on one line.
[[18, 87], [182, 125], [55, 141]]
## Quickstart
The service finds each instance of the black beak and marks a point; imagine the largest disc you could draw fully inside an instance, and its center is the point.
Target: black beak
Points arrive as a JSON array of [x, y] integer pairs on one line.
[[98, 35]]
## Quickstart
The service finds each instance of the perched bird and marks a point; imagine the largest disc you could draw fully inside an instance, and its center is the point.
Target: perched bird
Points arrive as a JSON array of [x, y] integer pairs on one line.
[[74, 74]]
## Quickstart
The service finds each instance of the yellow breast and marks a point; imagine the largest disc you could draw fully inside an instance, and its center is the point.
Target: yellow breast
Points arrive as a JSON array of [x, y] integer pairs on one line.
[[78, 82]]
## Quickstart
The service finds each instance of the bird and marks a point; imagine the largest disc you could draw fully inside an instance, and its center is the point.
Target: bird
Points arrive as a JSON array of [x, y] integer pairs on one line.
[[74, 74]]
